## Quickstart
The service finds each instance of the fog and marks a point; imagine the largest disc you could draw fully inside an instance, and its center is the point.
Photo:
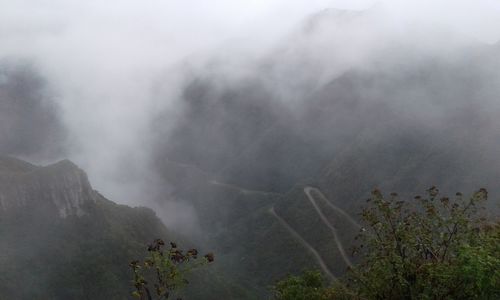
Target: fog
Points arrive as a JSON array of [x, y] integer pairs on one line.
[[114, 74]]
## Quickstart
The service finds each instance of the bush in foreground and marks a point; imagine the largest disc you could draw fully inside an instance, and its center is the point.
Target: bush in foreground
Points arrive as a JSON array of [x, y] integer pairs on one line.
[[164, 271], [427, 248]]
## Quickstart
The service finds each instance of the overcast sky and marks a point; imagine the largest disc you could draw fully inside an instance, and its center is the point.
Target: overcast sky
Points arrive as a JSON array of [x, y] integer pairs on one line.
[[103, 57]]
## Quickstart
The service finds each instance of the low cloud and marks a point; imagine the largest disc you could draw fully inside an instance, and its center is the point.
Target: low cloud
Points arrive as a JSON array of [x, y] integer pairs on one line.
[[115, 74]]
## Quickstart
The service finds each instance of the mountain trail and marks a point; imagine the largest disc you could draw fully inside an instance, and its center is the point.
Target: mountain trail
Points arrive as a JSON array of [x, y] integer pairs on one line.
[[242, 190], [304, 243], [336, 208], [307, 191]]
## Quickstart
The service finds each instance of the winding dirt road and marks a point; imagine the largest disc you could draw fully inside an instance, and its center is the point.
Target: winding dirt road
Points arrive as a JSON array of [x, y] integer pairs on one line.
[[307, 191], [304, 243], [336, 208], [242, 190]]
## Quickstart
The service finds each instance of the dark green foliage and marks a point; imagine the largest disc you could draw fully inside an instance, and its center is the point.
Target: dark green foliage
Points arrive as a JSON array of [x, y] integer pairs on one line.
[[43, 256], [420, 249], [427, 248], [310, 285]]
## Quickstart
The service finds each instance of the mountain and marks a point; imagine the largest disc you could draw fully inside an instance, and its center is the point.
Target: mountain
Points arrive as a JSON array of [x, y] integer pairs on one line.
[[278, 185], [62, 186], [275, 163], [60, 239]]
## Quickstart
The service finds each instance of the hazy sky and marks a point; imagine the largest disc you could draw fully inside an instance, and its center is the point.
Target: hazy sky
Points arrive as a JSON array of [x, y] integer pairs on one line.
[[102, 58]]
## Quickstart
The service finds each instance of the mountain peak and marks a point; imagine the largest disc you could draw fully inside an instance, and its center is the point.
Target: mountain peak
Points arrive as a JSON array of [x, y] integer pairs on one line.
[[63, 186]]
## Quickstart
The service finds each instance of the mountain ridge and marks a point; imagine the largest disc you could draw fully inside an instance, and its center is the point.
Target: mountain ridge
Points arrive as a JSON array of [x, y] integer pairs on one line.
[[62, 185]]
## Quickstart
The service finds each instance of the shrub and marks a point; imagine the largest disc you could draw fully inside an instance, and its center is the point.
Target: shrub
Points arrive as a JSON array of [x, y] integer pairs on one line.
[[165, 269], [427, 248]]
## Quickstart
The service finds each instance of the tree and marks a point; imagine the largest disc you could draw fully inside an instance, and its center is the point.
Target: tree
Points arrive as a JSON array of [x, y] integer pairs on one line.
[[310, 285], [166, 269], [427, 248]]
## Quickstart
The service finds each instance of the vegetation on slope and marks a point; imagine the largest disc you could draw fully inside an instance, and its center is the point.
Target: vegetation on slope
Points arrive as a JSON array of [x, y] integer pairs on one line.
[[44, 256], [428, 248]]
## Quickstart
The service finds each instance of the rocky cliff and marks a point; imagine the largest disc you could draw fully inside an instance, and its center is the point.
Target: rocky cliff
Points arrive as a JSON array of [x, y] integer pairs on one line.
[[62, 186]]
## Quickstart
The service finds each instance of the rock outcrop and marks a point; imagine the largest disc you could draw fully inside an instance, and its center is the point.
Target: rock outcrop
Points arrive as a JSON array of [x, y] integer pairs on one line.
[[62, 186]]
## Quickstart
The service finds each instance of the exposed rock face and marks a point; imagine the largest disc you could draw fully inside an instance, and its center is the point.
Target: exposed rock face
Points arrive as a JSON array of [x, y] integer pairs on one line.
[[62, 186]]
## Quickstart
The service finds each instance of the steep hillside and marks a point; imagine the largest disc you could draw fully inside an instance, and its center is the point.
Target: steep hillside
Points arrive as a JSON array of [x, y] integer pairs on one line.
[[60, 239], [275, 183], [261, 236]]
